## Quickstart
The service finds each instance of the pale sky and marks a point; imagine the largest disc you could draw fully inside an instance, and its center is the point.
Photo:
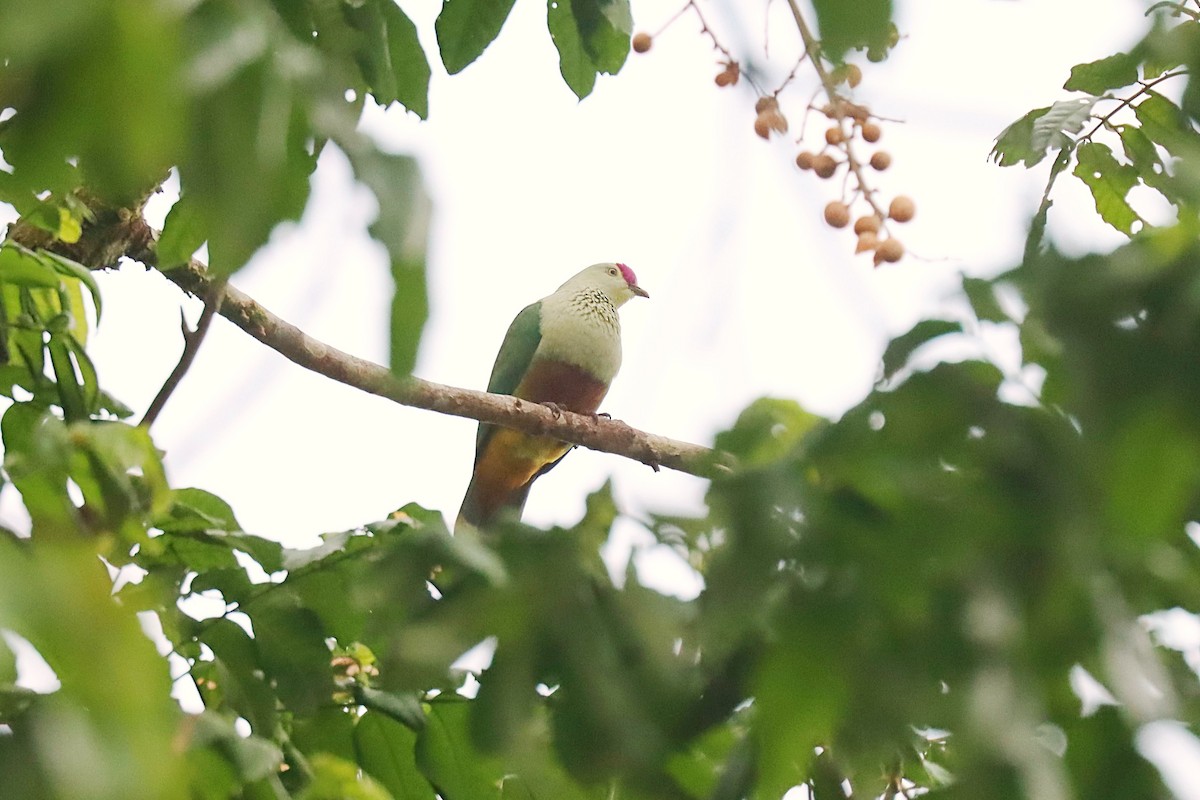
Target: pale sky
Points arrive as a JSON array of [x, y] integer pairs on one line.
[[751, 294]]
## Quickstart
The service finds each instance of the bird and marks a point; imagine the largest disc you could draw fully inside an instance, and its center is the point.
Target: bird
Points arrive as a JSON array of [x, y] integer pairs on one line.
[[564, 351]]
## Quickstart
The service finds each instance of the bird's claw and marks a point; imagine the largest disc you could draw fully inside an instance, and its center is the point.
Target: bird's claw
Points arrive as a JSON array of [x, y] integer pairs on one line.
[[558, 410]]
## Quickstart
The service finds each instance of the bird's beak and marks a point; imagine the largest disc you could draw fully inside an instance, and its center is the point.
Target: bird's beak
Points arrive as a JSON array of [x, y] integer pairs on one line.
[[639, 291]]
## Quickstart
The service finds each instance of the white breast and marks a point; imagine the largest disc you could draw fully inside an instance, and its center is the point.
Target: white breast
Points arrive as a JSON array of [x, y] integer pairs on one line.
[[582, 328]]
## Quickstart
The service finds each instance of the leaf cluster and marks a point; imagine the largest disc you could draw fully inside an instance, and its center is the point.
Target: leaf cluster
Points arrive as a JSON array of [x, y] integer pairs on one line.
[[1136, 135], [591, 36]]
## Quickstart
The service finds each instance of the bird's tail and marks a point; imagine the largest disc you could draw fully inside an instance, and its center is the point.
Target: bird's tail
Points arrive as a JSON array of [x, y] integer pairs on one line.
[[481, 508]]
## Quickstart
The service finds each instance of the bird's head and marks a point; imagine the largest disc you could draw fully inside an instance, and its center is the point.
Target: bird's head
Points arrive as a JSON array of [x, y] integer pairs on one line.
[[617, 281]]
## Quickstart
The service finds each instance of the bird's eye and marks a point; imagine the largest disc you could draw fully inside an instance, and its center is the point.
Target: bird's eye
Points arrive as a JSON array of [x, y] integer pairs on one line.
[[612, 272]]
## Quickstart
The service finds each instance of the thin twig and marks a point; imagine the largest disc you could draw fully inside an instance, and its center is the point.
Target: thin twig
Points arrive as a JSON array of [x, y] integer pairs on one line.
[[791, 75], [192, 339], [707, 31], [1146, 86], [804, 120], [813, 48], [836, 106], [1178, 8], [670, 21]]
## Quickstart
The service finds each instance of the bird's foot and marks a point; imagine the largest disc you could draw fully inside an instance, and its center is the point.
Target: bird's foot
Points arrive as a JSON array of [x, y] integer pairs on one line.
[[555, 409], [604, 414]]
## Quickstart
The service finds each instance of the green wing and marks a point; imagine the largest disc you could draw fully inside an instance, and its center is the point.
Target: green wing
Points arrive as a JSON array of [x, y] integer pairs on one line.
[[516, 351]]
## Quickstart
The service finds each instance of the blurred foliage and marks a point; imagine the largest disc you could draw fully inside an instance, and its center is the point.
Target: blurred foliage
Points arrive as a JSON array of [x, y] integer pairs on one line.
[[861, 25], [898, 600], [237, 98]]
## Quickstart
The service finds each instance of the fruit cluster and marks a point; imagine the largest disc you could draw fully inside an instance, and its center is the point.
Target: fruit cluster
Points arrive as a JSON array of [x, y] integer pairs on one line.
[[851, 126]]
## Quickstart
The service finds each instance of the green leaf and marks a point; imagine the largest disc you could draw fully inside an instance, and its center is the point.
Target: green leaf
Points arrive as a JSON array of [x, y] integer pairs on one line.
[[1037, 227], [114, 406], [1189, 102], [982, 296], [182, 235], [403, 228], [1064, 117], [238, 684], [448, 759], [20, 267], [767, 430], [902, 347], [70, 393], [336, 779], [1033, 135], [232, 583], [1169, 47], [129, 460], [784, 729], [574, 63], [371, 45], [329, 730], [114, 701], [14, 700], [1145, 502], [408, 62], [826, 779], [385, 750], [35, 460], [604, 29], [111, 102], [73, 269], [842, 25], [26, 348], [699, 767], [50, 216], [332, 544], [410, 311], [1110, 182], [1167, 125], [259, 93], [89, 383], [198, 509], [1014, 145], [403, 708], [1097, 77], [1145, 158], [195, 552], [466, 27], [292, 650], [8, 663], [251, 756], [390, 55]]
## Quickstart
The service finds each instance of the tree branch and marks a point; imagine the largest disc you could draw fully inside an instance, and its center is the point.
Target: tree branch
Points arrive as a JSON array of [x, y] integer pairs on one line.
[[596, 433], [192, 340], [121, 233]]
